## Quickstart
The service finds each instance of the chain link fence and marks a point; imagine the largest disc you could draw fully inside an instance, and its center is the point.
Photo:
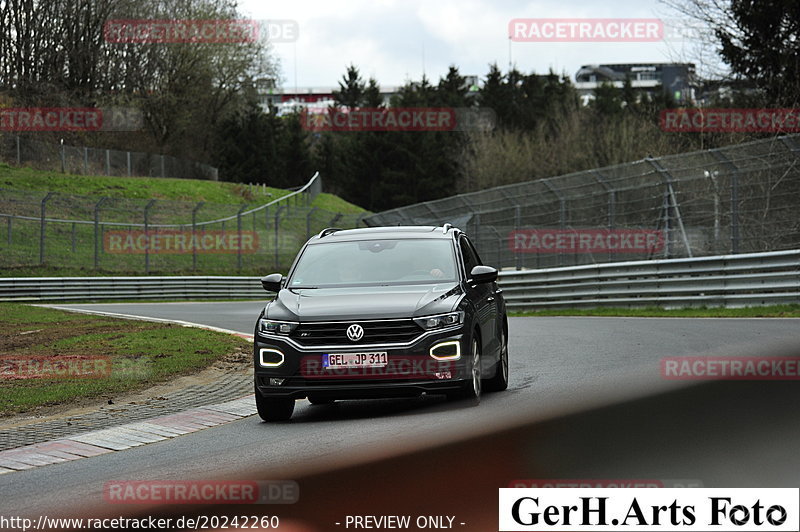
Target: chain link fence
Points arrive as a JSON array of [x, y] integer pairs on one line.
[[159, 236], [736, 199], [20, 150]]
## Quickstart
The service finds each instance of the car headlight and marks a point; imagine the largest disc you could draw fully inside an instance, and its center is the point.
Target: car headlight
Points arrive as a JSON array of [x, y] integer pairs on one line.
[[283, 328], [440, 321]]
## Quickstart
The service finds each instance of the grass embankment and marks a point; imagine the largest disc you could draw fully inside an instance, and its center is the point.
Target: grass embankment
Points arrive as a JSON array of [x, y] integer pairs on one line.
[[773, 311], [70, 247], [105, 356]]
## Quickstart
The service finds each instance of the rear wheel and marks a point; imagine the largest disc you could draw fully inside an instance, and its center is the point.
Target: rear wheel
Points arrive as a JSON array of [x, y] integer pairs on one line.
[[499, 382], [274, 408]]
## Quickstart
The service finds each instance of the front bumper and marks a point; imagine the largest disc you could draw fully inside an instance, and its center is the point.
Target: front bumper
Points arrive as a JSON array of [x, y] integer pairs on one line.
[[410, 371]]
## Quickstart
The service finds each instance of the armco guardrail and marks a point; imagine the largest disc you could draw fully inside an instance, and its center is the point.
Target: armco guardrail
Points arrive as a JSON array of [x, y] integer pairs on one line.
[[50, 289], [751, 279]]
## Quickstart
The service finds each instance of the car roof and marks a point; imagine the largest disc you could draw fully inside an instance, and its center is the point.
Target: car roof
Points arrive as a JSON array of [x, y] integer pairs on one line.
[[376, 233]]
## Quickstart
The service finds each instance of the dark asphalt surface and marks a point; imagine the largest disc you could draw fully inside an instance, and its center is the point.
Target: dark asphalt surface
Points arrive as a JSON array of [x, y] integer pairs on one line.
[[559, 367]]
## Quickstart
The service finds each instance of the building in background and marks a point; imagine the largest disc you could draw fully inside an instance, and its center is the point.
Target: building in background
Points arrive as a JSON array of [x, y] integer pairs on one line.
[[677, 79]]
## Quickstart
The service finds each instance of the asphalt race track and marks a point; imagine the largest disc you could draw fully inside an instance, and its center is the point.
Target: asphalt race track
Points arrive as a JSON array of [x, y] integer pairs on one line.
[[586, 400]]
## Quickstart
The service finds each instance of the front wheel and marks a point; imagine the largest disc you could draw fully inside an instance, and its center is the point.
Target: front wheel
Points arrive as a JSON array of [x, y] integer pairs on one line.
[[472, 389], [274, 408], [499, 382]]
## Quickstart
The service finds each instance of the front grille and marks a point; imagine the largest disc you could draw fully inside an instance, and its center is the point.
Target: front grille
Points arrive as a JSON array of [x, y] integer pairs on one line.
[[375, 332]]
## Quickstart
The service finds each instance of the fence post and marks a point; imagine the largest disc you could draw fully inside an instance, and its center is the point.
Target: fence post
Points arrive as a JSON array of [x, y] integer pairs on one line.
[[42, 224], [85, 160], [517, 224], [277, 227], [129, 162], [163, 173], [146, 232], [108, 162], [668, 180], [63, 159], [19, 153], [9, 229], [239, 232], [734, 197], [612, 206], [308, 222], [562, 213], [97, 230], [73, 237], [194, 230]]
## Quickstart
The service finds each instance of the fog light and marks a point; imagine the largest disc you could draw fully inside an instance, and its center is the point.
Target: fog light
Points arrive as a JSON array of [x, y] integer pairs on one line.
[[276, 382], [450, 350], [270, 358]]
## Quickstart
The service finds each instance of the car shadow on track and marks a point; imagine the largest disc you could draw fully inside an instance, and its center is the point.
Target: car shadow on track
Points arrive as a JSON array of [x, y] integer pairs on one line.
[[355, 409]]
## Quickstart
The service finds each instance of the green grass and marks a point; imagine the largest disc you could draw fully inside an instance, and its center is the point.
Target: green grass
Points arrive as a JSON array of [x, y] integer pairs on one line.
[[140, 353], [163, 188], [70, 248], [773, 311]]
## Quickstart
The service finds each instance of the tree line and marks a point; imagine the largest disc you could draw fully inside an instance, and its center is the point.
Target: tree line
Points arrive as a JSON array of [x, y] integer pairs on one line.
[[201, 101]]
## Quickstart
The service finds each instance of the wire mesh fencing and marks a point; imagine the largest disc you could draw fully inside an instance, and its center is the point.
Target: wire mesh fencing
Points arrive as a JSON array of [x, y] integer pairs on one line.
[[83, 160], [736, 199], [159, 236]]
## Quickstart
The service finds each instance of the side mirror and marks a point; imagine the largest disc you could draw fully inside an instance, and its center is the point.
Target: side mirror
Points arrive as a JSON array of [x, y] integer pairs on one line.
[[272, 282], [483, 274]]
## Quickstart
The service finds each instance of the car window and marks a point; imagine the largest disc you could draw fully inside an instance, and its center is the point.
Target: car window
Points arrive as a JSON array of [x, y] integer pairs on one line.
[[469, 255], [371, 262]]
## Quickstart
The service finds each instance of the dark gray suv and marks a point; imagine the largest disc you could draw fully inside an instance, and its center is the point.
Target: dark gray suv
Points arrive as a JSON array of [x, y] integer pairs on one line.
[[381, 312]]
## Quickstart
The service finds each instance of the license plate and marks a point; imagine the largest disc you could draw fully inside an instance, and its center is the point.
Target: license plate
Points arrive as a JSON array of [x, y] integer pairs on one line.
[[355, 360]]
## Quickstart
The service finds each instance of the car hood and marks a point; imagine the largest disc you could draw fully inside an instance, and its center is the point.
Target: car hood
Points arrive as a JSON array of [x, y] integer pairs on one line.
[[333, 304]]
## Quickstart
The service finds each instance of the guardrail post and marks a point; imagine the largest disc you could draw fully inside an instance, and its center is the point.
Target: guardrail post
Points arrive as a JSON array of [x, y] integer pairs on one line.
[[42, 225], [239, 232], [97, 231], [277, 227], [146, 232], [194, 231]]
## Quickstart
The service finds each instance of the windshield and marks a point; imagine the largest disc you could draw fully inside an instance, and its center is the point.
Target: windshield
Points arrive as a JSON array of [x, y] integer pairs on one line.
[[375, 262]]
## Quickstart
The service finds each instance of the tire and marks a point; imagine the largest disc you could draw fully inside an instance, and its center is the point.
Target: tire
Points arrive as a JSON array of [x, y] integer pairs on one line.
[[472, 388], [319, 401], [274, 409], [499, 382]]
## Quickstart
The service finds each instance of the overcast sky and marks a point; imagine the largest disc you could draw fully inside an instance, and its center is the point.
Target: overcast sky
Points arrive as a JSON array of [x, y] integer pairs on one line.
[[398, 40]]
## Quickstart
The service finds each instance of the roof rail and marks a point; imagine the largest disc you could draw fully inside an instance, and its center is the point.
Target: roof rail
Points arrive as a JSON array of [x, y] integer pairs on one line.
[[446, 228], [328, 231]]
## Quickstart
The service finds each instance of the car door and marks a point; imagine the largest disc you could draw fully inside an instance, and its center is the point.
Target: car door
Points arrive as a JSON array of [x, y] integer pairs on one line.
[[484, 299]]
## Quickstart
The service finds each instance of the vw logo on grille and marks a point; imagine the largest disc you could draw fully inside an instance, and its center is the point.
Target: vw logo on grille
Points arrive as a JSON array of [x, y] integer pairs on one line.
[[355, 332]]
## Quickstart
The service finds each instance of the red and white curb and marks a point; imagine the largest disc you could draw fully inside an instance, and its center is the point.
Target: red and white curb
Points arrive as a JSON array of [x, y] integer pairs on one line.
[[125, 436]]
